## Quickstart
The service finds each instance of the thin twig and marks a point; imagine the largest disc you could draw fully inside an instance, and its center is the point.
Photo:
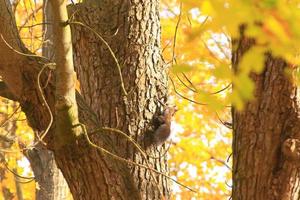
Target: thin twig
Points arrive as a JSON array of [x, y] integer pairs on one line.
[[183, 83], [166, 46], [37, 24], [32, 14], [44, 99], [40, 138], [9, 117], [223, 89], [190, 82], [21, 53], [221, 161], [16, 174], [175, 35], [186, 98], [120, 158], [130, 139], [221, 48], [25, 182], [226, 124], [210, 51]]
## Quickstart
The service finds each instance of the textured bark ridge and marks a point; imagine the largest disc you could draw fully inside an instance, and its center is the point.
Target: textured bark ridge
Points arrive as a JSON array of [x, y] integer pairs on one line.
[[266, 134]]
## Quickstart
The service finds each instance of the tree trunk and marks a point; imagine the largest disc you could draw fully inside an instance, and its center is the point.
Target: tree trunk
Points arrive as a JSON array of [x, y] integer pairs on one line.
[[266, 133], [51, 183], [133, 33], [123, 97]]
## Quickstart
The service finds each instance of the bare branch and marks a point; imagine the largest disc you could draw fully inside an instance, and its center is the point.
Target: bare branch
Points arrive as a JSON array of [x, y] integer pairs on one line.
[[65, 105]]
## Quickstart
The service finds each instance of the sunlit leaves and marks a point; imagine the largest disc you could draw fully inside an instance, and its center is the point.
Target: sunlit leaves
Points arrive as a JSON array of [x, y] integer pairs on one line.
[[271, 23], [199, 59], [28, 17], [15, 130], [223, 72], [268, 3], [203, 45]]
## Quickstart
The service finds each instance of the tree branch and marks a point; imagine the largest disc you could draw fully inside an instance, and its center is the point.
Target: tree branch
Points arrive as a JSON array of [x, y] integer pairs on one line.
[[6, 93], [65, 105]]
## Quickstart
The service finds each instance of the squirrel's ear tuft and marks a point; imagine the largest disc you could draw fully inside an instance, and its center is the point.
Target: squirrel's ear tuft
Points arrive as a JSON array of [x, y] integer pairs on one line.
[[175, 109]]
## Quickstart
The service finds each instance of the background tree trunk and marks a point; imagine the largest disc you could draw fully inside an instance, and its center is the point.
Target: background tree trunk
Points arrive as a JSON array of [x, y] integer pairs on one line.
[[264, 158]]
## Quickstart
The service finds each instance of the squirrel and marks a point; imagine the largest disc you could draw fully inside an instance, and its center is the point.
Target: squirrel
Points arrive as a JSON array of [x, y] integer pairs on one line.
[[162, 133]]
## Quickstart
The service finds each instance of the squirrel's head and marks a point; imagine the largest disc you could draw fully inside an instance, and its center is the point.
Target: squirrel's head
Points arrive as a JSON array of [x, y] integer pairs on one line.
[[171, 110]]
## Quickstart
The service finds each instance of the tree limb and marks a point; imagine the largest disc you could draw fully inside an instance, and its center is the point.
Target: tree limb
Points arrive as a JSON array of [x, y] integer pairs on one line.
[[6, 93]]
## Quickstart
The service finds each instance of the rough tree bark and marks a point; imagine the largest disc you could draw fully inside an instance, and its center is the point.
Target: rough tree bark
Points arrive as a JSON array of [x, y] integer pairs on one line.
[[266, 133], [132, 31]]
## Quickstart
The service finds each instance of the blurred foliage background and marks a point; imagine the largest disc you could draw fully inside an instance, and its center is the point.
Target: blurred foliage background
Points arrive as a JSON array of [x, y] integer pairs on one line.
[[196, 44]]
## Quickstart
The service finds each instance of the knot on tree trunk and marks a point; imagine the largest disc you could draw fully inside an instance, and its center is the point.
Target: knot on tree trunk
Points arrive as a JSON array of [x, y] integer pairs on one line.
[[291, 149]]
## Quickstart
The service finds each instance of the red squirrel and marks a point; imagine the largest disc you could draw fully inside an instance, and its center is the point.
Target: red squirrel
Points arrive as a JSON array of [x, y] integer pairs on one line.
[[162, 133]]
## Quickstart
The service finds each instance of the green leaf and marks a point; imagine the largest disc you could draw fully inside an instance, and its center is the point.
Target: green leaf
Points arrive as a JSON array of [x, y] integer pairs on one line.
[[244, 86], [179, 68], [223, 71], [252, 61]]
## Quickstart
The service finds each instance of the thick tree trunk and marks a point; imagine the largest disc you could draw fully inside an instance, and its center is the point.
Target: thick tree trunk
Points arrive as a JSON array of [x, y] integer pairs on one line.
[[123, 98], [266, 133], [133, 33]]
